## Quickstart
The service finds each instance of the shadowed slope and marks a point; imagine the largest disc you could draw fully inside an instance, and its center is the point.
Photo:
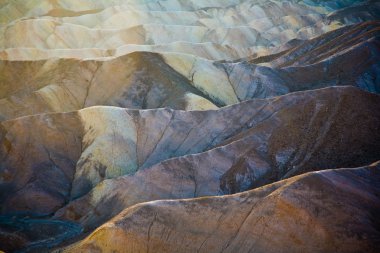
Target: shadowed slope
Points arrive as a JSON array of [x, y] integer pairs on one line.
[[286, 136], [137, 80], [37, 162], [104, 142]]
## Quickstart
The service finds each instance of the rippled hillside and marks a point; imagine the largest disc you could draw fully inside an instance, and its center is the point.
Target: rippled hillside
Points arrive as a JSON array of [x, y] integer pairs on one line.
[[189, 126]]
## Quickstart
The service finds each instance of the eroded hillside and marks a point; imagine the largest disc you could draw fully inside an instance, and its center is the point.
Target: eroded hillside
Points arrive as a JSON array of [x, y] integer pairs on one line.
[[189, 126]]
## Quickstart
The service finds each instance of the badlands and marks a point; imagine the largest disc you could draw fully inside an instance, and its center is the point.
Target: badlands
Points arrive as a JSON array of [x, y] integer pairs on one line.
[[189, 126]]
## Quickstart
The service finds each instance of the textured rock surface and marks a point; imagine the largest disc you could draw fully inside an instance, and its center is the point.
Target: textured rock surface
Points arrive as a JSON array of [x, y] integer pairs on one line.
[[112, 28], [180, 81], [35, 234], [107, 104], [37, 167], [293, 215], [69, 153], [284, 137]]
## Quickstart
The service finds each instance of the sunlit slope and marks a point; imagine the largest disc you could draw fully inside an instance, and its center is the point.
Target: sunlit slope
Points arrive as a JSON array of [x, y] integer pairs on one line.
[[233, 30]]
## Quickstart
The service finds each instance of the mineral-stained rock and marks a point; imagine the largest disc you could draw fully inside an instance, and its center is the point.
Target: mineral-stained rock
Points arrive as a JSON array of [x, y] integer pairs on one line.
[[327, 211]]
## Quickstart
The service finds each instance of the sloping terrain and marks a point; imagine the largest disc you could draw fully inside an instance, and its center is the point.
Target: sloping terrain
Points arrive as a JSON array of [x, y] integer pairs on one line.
[[234, 117], [238, 27], [144, 80], [293, 215], [264, 150]]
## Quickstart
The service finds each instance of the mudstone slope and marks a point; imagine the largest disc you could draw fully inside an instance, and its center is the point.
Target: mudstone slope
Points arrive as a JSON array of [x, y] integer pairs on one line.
[[189, 126]]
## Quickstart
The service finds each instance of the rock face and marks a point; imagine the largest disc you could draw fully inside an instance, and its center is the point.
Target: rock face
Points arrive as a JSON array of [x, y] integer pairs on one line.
[[246, 108], [293, 215]]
